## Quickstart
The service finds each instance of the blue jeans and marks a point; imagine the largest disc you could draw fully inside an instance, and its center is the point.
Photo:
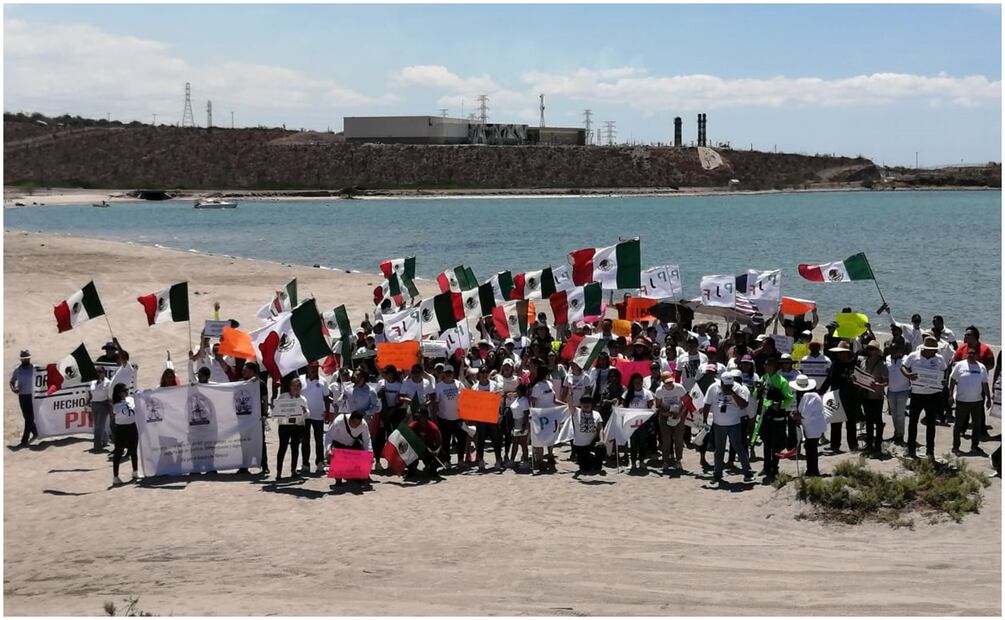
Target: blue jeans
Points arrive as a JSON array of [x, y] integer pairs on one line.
[[734, 433]]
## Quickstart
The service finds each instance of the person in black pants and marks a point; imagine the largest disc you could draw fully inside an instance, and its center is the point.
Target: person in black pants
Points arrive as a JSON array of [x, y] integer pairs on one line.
[[22, 383], [291, 429], [923, 398], [250, 372], [126, 437], [840, 381], [315, 424]]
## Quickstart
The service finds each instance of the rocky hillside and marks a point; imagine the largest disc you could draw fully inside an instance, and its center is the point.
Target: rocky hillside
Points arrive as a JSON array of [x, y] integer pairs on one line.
[[265, 159]]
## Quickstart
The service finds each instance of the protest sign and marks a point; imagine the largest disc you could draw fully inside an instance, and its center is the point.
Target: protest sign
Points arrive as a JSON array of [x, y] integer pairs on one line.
[[237, 343], [862, 379], [434, 349], [350, 464], [833, 409], [68, 410], [288, 411], [850, 324], [402, 355], [928, 378], [478, 406], [783, 344], [800, 350], [199, 427], [550, 426], [661, 283], [627, 369], [214, 328], [638, 309], [718, 291], [620, 327]]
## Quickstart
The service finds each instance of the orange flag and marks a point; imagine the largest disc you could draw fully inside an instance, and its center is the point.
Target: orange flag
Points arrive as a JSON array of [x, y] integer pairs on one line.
[[479, 406], [403, 355], [235, 343]]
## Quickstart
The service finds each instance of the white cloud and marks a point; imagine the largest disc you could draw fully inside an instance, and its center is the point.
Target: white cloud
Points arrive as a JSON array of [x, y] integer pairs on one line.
[[79, 69]]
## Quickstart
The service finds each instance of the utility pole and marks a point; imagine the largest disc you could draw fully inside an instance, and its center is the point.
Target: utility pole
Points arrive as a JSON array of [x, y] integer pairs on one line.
[[610, 131], [209, 115], [108, 115], [231, 119], [541, 96], [187, 118], [483, 108], [443, 112], [589, 133], [916, 160], [155, 119]]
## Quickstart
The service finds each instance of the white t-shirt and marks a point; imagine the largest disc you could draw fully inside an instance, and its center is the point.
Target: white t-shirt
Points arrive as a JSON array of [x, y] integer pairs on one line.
[[670, 400], [491, 386], [391, 391], [969, 379], [542, 395], [447, 395], [577, 386], [346, 435], [584, 427], [641, 399], [520, 409], [416, 391], [811, 408], [100, 390], [727, 412], [315, 392], [508, 385], [815, 367], [691, 367], [898, 382], [125, 411], [916, 361]]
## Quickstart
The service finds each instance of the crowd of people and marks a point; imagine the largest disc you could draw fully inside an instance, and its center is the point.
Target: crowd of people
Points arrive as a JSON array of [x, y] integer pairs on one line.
[[753, 395]]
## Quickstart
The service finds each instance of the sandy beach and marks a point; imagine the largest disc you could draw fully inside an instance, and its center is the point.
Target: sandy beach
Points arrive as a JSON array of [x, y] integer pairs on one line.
[[473, 544]]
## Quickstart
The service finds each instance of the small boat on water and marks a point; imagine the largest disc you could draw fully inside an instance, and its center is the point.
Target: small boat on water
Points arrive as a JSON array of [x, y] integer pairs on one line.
[[103, 204], [214, 203]]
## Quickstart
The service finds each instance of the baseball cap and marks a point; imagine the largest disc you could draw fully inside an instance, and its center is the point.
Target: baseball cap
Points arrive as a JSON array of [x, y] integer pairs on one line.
[[727, 379]]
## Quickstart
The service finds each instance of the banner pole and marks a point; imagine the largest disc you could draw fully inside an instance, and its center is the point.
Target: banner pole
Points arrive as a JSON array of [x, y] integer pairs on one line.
[[109, 324]]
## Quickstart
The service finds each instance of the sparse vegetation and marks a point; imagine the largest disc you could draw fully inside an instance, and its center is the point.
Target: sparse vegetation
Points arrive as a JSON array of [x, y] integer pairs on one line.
[[855, 493], [132, 608]]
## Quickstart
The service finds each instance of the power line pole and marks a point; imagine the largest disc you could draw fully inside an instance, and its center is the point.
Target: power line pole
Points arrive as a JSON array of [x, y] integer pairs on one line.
[[610, 131], [231, 119], [542, 109], [155, 119], [589, 133], [443, 112], [483, 108], [187, 118], [209, 115]]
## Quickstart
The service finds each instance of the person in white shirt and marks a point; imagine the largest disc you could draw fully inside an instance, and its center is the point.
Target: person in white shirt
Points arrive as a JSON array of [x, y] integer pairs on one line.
[[291, 428], [485, 430], [209, 357], [541, 396], [126, 437], [585, 436], [520, 412], [319, 400], [926, 394], [913, 332], [691, 364], [969, 378], [415, 390], [638, 397], [101, 408], [670, 418], [348, 431], [444, 401], [898, 392], [730, 399], [577, 384], [810, 412]]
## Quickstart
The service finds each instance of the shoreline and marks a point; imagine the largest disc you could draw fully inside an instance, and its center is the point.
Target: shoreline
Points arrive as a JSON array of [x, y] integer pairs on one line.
[[73, 196]]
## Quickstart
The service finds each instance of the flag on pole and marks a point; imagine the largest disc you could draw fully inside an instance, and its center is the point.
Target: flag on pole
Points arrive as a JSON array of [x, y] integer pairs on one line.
[[587, 351], [403, 448], [479, 302], [572, 305], [399, 288], [340, 334], [510, 319], [458, 279], [536, 284], [437, 314], [623, 422], [292, 341], [283, 301], [503, 286], [236, 343], [166, 306], [79, 307], [399, 266], [853, 268], [74, 369], [617, 266]]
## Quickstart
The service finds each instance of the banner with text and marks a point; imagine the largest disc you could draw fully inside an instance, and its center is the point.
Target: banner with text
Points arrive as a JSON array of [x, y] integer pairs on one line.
[[68, 411]]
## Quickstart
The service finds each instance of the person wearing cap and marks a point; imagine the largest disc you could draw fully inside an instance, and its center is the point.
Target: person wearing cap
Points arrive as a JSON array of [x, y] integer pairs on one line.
[[319, 402], [586, 435], [443, 401], [415, 390], [968, 380], [670, 418], [729, 399], [22, 383], [924, 396], [872, 397], [810, 413], [775, 397], [348, 431], [110, 353], [815, 364], [840, 380], [896, 338]]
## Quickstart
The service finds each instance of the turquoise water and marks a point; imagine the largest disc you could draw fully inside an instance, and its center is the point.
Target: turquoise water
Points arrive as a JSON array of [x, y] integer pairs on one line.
[[932, 252]]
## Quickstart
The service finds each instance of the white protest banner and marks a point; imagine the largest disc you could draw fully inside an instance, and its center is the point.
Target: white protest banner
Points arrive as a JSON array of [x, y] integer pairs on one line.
[[288, 411], [764, 290], [783, 343], [434, 349], [833, 409], [862, 379], [661, 282], [550, 426], [623, 422], [404, 325], [67, 411], [214, 328], [718, 291], [199, 427], [928, 378], [563, 279], [458, 337]]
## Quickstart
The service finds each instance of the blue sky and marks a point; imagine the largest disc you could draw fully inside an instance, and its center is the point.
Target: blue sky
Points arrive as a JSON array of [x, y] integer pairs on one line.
[[881, 81]]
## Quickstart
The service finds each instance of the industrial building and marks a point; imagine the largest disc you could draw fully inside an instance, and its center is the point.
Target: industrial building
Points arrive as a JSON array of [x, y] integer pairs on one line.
[[445, 130]]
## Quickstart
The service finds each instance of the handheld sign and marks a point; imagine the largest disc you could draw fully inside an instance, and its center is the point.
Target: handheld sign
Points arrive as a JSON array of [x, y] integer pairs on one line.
[[479, 406], [620, 327], [783, 344], [927, 378], [350, 464], [214, 328], [400, 354], [638, 309], [661, 282], [288, 411]]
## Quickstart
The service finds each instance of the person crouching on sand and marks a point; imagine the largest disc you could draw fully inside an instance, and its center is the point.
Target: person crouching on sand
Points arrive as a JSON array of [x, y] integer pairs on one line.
[[348, 431]]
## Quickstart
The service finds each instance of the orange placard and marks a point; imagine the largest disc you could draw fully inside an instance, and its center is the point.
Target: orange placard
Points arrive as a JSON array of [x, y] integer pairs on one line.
[[621, 327], [402, 355], [793, 306], [478, 406], [235, 343], [638, 309]]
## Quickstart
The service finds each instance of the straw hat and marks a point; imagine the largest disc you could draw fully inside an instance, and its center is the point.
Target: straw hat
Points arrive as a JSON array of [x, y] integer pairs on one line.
[[802, 383]]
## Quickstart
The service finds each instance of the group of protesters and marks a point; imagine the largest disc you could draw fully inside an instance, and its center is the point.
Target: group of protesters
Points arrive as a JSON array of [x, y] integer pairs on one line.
[[753, 395]]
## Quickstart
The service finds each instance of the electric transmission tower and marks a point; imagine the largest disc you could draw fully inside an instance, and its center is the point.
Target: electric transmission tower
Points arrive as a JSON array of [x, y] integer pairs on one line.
[[589, 133], [187, 118], [483, 108], [610, 131], [443, 112]]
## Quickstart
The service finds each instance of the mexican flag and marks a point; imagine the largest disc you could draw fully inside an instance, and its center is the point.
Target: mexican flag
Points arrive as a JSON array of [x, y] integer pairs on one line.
[[74, 369], [166, 306], [536, 284], [458, 279], [850, 269], [403, 448], [81, 306], [437, 314], [587, 351], [502, 286], [400, 266], [572, 305], [283, 301], [479, 302], [340, 334], [399, 288], [616, 266], [291, 341], [511, 319]]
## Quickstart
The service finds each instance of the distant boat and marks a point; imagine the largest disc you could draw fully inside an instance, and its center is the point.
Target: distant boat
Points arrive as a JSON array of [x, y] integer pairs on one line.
[[214, 203], [103, 204]]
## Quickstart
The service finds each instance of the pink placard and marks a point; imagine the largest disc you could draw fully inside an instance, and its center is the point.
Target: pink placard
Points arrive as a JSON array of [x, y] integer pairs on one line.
[[350, 464]]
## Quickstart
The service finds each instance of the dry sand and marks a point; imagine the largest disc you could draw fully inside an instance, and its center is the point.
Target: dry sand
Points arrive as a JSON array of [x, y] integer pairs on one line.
[[472, 544]]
